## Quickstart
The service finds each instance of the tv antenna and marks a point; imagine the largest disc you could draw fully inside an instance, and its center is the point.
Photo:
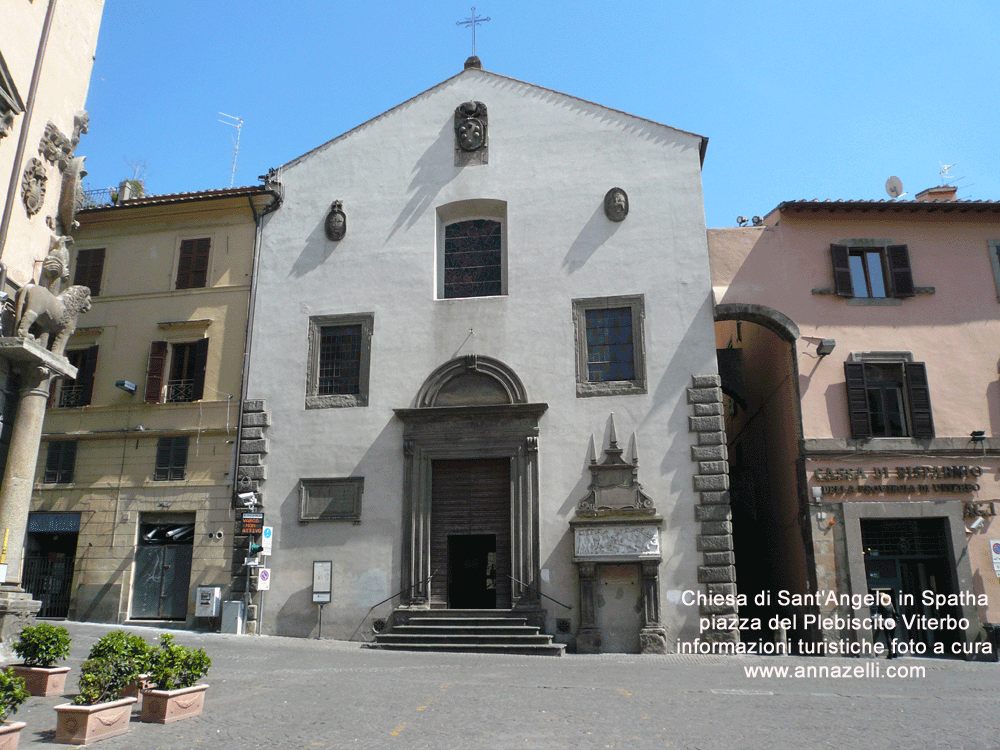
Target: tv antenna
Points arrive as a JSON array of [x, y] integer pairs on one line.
[[894, 187], [234, 122], [945, 169]]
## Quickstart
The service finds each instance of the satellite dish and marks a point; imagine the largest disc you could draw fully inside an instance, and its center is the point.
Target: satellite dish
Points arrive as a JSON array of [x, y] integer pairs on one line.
[[894, 187]]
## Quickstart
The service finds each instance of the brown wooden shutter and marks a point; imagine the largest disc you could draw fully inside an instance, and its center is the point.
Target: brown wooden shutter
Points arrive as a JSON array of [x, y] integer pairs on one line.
[[857, 400], [898, 257], [842, 270], [192, 265], [200, 363], [154, 373], [85, 376], [89, 269], [919, 394]]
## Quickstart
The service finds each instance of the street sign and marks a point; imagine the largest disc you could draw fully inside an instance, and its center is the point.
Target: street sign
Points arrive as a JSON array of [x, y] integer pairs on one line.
[[322, 581], [266, 537], [264, 579], [250, 523]]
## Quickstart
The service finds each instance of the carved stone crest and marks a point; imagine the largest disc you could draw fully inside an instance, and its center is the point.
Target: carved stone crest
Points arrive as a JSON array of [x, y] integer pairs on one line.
[[616, 204], [33, 186], [470, 126], [54, 147], [336, 222]]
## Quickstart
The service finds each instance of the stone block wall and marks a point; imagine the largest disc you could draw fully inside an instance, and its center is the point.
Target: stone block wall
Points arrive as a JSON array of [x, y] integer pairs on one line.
[[715, 542]]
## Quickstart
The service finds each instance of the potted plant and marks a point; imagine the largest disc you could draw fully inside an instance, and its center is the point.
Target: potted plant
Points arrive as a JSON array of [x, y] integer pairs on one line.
[[12, 694], [99, 711], [41, 646], [121, 644], [174, 669]]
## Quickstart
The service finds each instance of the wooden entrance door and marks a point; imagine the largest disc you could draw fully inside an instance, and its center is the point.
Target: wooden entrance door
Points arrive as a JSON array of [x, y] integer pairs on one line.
[[470, 521]]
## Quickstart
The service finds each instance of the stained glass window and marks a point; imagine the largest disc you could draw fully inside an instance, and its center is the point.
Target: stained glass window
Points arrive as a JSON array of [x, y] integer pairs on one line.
[[609, 344], [473, 259]]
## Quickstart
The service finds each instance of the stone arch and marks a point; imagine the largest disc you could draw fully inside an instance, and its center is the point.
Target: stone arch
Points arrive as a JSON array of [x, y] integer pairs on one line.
[[771, 319], [472, 380]]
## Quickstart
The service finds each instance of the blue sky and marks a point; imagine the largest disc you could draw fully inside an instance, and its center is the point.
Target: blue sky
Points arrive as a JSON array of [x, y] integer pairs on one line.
[[799, 100]]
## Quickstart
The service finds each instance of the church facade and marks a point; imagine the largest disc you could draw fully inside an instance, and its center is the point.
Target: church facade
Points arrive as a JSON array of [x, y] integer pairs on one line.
[[482, 373]]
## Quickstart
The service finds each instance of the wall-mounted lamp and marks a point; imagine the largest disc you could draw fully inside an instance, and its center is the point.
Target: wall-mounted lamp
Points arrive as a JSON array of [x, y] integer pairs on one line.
[[741, 221], [126, 385], [757, 221], [817, 493], [978, 435], [825, 346]]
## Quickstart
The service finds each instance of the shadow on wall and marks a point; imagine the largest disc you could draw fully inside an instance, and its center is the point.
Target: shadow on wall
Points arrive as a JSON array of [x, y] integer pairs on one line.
[[298, 617], [594, 234], [433, 171]]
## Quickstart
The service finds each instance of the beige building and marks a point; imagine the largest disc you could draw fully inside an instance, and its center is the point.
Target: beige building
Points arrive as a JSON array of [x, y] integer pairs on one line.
[[133, 493], [857, 345]]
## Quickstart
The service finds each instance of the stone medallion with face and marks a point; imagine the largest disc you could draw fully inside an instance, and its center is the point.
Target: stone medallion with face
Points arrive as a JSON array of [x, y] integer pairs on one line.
[[336, 222], [616, 204]]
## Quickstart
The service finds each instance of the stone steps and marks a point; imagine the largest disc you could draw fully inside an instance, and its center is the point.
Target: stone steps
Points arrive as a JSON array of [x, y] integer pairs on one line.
[[466, 631]]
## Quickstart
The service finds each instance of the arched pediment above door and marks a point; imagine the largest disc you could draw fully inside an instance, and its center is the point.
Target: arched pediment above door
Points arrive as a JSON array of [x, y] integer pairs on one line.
[[472, 380]]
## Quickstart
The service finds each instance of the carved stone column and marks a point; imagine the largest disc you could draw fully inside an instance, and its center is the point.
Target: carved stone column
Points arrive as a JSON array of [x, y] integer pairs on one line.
[[653, 636], [588, 639]]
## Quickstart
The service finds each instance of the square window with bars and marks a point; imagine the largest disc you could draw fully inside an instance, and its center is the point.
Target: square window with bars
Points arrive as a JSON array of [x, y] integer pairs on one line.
[[60, 462], [609, 345], [339, 360], [171, 458], [473, 259]]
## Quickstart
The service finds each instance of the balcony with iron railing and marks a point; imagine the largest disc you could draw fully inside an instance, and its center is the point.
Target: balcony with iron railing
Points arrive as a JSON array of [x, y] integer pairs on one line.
[[72, 395], [180, 391]]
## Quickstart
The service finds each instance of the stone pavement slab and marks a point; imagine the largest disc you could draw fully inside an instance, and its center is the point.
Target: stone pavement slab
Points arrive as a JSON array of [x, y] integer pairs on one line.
[[292, 693]]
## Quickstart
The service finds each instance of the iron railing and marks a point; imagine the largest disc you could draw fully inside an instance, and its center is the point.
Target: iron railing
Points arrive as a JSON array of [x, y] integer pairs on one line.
[[371, 609], [50, 581], [538, 591], [71, 396], [180, 391]]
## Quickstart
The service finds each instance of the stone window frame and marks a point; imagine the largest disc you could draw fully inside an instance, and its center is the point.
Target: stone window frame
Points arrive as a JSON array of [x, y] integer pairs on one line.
[[356, 486], [340, 400], [994, 249], [584, 386], [465, 210]]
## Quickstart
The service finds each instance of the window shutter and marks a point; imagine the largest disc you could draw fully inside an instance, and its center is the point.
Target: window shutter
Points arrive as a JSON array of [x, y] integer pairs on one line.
[[154, 374], [178, 458], [899, 270], [842, 270], [192, 264], [85, 376], [200, 362], [857, 400], [89, 269], [920, 400]]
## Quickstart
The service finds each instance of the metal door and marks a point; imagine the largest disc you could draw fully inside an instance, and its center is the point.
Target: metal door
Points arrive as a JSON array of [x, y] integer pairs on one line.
[[162, 580]]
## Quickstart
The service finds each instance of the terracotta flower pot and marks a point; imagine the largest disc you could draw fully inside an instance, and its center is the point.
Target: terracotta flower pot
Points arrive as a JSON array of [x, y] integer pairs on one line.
[[134, 689], [165, 706], [44, 681], [10, 733], [81, 725]]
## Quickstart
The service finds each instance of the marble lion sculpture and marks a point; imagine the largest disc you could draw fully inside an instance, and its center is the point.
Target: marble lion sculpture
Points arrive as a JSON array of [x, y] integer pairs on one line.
[[52, 317]]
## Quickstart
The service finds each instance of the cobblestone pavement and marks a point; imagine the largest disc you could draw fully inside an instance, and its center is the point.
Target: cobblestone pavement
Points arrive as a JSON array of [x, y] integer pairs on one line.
[[293, 693]]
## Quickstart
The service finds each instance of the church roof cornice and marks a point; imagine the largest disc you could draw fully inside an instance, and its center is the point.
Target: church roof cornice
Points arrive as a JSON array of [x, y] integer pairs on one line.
[[478, 72]]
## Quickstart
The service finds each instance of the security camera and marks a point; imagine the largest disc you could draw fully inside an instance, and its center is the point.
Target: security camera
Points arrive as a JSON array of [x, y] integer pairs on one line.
[[249, 499], [978, 523]]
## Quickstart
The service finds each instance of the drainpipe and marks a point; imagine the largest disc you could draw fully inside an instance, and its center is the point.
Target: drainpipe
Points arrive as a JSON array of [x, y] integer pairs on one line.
[[22, 140], [274, 205]]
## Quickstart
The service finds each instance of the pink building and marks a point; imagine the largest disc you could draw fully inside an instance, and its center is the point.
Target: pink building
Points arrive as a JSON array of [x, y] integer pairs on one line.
[[858, 346]]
